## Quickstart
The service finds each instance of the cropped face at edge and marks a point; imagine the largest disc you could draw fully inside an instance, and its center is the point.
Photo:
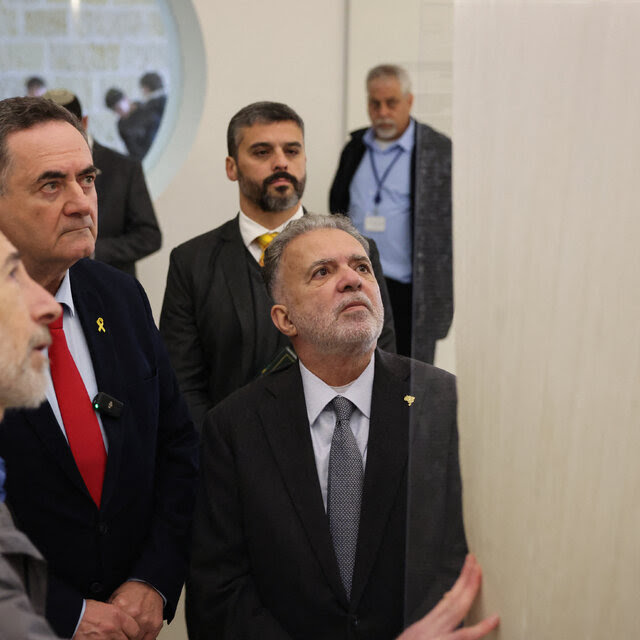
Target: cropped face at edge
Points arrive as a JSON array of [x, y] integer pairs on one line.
[[25, 310]]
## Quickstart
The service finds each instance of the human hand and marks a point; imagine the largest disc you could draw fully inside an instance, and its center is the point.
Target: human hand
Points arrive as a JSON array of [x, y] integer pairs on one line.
[[440, 622], [102, 621], [143, 603]]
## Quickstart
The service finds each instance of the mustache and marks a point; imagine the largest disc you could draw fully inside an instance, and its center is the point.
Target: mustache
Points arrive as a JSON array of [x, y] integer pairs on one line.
[[359, 298], [279, 175], [382, 121], [40, 338]]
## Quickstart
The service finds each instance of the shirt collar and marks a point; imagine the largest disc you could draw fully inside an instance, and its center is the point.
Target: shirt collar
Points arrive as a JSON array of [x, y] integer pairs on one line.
[[63, 294], [406, 140], [250, 229], [318, 394]]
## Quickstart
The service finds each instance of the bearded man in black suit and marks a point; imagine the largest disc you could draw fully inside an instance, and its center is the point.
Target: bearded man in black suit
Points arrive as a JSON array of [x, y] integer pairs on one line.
[[215, 315]]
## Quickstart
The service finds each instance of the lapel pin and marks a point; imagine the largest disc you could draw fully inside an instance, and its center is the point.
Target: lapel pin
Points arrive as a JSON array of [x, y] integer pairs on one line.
[[409, 399], [100, 323]]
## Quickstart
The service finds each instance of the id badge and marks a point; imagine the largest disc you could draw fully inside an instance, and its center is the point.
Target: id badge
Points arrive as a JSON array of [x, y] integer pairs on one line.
[[375, 224]]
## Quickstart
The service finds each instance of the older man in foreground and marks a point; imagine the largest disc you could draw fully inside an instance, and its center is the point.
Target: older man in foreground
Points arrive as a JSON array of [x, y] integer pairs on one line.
[[301, 521]]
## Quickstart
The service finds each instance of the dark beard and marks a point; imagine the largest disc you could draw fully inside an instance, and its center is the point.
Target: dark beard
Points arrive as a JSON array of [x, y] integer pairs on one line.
[[269, 202]]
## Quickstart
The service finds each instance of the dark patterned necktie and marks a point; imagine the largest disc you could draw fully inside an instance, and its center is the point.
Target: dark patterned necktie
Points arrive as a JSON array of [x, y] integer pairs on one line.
[[344, 490]]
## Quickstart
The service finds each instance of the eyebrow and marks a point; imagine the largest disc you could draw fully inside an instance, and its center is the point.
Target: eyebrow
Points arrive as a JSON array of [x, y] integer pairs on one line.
[[61, 175], [352, 258], [293, 143], [11, 259]]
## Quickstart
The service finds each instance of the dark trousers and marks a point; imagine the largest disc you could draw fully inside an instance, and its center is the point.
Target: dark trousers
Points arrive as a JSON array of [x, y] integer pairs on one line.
[[401, 296]]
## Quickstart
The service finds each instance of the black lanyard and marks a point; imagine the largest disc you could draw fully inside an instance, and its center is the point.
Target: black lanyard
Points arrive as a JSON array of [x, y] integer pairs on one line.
[[378, 179]]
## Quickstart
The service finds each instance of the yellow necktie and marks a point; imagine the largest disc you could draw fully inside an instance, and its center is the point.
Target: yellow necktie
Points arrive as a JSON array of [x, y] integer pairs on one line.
[[264, 241]]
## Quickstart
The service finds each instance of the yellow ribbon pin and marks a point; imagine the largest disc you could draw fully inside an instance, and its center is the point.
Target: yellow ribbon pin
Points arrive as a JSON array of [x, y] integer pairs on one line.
[[100, 323], [409, 400]]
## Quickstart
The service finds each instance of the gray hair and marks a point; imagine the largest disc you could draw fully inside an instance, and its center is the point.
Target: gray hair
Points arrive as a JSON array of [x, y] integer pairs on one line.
[[18, 114], [308, 222], [258, 112], [391, 71]]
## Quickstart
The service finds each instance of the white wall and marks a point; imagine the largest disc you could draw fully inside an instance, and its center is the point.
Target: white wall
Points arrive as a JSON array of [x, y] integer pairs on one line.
[[276, 50]]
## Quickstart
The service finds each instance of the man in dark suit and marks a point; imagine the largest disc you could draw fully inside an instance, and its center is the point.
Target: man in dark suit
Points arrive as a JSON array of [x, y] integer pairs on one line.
[[215, 315], [129, 229], [103, 488], [301, 519], [394, 182]]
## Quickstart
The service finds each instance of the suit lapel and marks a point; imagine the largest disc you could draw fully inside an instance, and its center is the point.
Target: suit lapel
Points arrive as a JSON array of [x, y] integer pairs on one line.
[[44, 423], [387, 452], [285, 422], [234, 266], [104, 356]]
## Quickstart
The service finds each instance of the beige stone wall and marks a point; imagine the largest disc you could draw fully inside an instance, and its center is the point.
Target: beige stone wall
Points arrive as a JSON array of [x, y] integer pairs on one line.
[[87, 47], [547, 274]]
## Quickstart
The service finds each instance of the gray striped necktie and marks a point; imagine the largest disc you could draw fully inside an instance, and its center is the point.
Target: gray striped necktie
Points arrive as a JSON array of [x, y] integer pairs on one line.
[[344, 491]]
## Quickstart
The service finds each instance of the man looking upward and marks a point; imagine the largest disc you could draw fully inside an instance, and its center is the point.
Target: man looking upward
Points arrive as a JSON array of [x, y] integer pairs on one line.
[[301, 520]]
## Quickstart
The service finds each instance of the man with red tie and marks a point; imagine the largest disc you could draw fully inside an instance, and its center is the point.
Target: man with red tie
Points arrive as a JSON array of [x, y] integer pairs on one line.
[[100, 477]]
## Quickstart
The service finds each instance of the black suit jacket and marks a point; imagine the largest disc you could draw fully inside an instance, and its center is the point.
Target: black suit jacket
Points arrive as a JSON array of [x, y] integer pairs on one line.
[[143, 525], [208, 319], [263, 564], [127, 225], [432, 246]]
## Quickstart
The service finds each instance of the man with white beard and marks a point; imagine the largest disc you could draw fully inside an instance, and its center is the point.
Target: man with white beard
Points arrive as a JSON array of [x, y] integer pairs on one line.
[[301, 520], [25, 311]]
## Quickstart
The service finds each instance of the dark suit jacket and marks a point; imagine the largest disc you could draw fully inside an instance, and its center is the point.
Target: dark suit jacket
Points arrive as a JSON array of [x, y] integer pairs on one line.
[[143, 525], [263, 564], [431, 208], [23, 585], [127, 225], [208, 317]]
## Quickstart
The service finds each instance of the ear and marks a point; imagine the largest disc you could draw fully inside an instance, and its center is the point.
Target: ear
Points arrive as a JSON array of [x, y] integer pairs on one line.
[[410, 100], [280, 317], [231, 168], [85, 122]]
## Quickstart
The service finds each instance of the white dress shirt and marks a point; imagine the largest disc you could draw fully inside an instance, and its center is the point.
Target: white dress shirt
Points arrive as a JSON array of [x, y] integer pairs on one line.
[[250, 230], [322, 418]]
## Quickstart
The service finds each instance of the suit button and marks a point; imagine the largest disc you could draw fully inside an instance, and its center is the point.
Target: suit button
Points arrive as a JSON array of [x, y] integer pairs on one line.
[[355, 621], [103, 528], [96, 588]]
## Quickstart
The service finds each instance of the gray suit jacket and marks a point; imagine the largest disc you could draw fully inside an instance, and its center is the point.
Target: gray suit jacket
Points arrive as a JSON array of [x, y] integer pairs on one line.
[[21, 568]]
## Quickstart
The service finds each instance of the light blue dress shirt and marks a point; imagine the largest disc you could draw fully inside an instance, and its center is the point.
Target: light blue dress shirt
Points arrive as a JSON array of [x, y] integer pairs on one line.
[[395, 242], [322, 418]]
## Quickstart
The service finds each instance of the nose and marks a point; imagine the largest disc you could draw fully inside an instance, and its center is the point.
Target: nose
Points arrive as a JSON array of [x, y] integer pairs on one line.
[[79, 200], [42, 305], [350, 279], [280, 162]]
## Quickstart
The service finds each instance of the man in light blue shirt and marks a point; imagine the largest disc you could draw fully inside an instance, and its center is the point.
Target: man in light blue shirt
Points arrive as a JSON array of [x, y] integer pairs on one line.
[[394, 182]]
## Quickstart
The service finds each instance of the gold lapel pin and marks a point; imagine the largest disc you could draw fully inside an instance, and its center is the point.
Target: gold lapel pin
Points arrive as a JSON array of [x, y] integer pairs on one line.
[[100, 323], [409, 399]]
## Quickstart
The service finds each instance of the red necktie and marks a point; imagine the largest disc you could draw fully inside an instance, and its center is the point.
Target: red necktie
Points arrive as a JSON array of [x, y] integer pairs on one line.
[[79, 418]]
